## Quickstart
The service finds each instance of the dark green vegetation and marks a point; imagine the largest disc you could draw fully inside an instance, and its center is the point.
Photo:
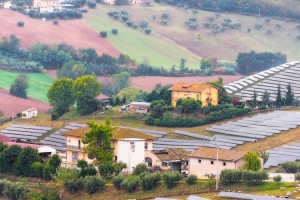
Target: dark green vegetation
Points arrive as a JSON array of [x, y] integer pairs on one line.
[[248, 63], [64, 92], [19, 87], [249, 178]]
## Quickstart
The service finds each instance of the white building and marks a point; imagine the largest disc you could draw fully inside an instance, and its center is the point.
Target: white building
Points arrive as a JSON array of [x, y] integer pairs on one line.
[[131, 151], [29, 113], [140, 107]]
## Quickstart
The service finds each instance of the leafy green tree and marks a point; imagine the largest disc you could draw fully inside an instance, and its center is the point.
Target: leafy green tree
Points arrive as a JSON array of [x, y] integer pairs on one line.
[[252, 161], [8, 158], [161, 93], [289, 96], [266, 98], [99, 147], [206, 67], [223, 97], [60, 94], [158, 108], [86, 89], [119, 81], [188, 106], [130, 94], [3, 147], [27, 157], [55, 161], [278, 97], [19, 87]]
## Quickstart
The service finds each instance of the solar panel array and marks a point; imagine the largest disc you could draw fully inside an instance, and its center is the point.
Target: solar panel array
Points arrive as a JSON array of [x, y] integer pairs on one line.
[[259, 126], [24, 132], [57, 139], [150, 132], [281, 154], [268, 80], [189, 145]]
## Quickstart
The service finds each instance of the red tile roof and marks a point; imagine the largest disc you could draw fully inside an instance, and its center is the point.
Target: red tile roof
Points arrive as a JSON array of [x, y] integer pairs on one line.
[[24, 145], [102, 97], [5, 139], [190, 87]]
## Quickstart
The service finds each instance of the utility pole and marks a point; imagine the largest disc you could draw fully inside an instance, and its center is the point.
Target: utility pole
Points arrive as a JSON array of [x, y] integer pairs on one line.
[[217, 177]]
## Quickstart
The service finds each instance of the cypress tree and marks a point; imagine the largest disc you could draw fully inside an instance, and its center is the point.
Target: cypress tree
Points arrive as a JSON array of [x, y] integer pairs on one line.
[[254, 99], [278, 97], [289, 97]]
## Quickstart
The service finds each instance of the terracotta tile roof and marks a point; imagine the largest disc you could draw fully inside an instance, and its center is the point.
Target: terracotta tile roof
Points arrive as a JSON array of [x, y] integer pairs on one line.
[[80, 132], [102, 97], [170, 154], [190, 87], [122, 133], [24, 145], [211, 153]]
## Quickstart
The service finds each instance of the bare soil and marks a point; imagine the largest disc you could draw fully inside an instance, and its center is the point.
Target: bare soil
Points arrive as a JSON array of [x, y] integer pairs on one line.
[[11, 105], [72, 32]]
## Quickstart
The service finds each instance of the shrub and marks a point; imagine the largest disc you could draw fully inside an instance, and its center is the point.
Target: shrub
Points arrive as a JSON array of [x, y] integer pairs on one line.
[[150, 181], [20, 23], [51, 195], [66, 174], [129, 23], [171, 178], [74, 186], [143, 24], [91, 4], [82, 164], [130, 184], [55, 161], [191, 180], [140, 168], [228, 177], [114, 31], [251, 178], [117, 180], [290, 167], [277, 178], [92, 184], [55, 22], [262, 108], [37, 169], [148, 31], [15, 191], [103, 34], [258, 26], [47, 172], [90, 171], [165, 15]]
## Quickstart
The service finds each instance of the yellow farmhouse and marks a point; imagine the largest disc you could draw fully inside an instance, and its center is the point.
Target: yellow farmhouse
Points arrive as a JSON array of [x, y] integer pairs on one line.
[[203, 92]]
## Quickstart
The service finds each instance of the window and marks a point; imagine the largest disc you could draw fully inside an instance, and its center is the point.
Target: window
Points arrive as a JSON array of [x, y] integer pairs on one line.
[[211, 162], [74, 157], [132, 146], [224, 163], [79, 144], [199, 161], [164, 164], [146, 146], [116, 158]]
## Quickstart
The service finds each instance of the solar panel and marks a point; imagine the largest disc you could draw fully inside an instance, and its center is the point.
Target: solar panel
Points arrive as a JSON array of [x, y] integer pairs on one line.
[[198, 136]]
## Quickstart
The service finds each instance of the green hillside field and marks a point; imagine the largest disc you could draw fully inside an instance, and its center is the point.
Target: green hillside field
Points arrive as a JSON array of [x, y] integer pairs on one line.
[[167, 44], [38, 84], [153, 49]]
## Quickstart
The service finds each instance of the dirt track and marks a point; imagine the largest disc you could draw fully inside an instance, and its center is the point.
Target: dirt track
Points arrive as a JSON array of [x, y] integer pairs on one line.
[[11, 105], [72, 32]]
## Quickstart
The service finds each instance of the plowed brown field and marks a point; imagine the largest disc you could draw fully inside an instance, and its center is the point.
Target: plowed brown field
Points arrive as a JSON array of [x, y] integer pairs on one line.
[[72, 32], [147, 83], [11, 105]]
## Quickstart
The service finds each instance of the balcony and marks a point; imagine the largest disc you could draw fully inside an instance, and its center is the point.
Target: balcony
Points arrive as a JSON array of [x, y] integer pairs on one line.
[[73, 147]]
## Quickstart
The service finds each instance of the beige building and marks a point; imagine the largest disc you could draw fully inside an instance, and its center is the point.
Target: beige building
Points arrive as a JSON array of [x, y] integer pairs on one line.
[[122, 138], [139, 107], [207, 94], [74, 146], [204, 161], [170, 159], [29, 113], [110, 2], [137, 2]]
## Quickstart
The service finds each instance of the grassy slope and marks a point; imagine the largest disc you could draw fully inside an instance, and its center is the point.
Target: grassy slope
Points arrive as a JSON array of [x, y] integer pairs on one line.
[[202, 42], [155, 49], [38, 84]]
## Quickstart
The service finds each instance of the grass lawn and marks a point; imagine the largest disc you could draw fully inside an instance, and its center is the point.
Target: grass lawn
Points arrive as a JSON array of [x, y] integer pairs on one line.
[[153, 48], [38, 84]]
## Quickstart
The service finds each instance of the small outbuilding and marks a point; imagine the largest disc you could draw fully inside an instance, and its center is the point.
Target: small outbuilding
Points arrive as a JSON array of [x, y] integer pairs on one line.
[[140, 107], [29, 113]]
